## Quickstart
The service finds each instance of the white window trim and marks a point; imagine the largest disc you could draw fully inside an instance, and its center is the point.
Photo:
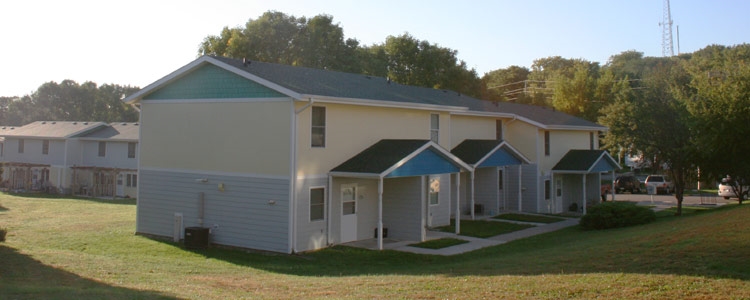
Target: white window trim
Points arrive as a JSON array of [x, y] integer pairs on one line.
[[309, 213]]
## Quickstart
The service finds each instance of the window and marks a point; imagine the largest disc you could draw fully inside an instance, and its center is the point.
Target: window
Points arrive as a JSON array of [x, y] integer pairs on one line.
[[591, 140], [546, 143], [434, 193], [45, 147], [131, 180], [500, 179], [547, 189], [102, 148], [434, 127], [131, 150], [2, 149], [20, 146], [317, 204], [318, 127], [349, 200], [499, 130]]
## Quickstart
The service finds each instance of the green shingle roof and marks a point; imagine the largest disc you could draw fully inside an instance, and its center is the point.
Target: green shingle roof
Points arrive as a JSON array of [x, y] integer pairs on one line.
[[380, 157], [586, 161], [471, 151]]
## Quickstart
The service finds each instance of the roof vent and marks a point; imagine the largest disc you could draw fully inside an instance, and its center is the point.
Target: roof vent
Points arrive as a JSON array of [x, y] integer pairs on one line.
[[44, 122], [85, 123], [123, 124], [53, 122], [245, 62], [75, 123], [136, 124]]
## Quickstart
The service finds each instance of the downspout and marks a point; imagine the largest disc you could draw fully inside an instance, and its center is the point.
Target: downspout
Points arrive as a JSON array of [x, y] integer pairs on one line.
[[293, 176], [330, 210]]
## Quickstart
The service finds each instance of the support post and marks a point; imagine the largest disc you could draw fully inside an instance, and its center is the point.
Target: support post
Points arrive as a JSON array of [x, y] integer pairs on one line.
[[458, 203], [473, 187], [380, 213]]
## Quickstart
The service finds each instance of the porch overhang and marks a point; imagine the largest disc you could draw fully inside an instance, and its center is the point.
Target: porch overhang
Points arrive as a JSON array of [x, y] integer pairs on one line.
[[488, 153], [400, 158], [586, 162], [583, 162]]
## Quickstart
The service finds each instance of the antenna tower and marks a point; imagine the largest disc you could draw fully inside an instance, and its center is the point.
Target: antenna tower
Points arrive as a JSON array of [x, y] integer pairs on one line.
[[667, 49]]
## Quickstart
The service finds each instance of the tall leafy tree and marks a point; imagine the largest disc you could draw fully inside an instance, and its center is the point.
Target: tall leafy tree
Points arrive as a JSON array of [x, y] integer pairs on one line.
[[506, 84], [718, 97]]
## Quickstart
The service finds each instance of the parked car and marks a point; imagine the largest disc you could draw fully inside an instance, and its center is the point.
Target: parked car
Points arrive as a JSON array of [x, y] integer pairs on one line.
[[661, 182], [726, 190], [628, 183]]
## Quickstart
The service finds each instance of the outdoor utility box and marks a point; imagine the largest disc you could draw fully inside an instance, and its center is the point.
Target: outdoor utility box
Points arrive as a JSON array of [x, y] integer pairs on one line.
[[196, 237]]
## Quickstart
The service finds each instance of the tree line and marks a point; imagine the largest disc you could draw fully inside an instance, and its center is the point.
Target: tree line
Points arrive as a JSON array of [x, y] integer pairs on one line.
[[69, 101]]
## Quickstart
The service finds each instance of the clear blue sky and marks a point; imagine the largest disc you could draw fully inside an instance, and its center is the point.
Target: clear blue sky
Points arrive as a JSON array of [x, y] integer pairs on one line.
[[139, 41]]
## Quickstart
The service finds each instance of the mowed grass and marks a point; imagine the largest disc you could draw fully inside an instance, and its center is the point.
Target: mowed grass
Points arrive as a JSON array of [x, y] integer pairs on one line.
[[80, 249], [528, 218]]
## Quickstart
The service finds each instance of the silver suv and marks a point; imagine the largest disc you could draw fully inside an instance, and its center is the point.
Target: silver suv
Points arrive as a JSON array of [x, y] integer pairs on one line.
[[661, 183]]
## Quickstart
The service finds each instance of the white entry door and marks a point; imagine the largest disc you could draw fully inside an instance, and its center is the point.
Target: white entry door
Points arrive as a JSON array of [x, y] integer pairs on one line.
[[349, 195], [559, 195], [120, 187]]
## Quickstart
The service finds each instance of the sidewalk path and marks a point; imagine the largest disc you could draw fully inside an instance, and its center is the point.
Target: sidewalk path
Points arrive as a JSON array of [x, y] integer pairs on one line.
[[473, 242]]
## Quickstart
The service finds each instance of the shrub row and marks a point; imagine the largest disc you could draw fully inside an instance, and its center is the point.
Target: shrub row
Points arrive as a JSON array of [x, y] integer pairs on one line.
[[616, 214]]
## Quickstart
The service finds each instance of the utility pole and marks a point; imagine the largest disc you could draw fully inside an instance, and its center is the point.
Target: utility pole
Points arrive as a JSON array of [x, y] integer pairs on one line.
[[667, 49]]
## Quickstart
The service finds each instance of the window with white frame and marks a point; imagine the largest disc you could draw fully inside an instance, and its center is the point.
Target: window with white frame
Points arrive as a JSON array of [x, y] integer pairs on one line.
[[349, 200], [434, 127], [20, 146], [499, 130], [546, 143], [318, 127], [131, 150], [317, 204], [591, 140], [434, 192], [45, 147], [131, 180], [102, 149]]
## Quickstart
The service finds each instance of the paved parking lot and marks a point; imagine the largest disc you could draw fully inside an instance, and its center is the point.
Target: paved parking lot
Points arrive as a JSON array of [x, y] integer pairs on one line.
[[670, 200]]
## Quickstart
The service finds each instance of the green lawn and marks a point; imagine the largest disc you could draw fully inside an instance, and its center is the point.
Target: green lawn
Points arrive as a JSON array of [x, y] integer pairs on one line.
[[81, 249]]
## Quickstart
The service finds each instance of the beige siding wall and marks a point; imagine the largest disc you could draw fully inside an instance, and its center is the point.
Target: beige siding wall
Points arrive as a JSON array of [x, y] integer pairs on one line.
[[561, 141], [523, 136], [471, 127], [225, 137], [351, 129]]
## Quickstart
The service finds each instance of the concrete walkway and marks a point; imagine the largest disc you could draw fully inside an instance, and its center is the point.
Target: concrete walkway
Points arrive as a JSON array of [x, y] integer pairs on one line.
[[473, 242]]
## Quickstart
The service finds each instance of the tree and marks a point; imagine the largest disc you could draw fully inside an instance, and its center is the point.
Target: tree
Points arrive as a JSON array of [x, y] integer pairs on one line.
[[657, 124], [718, 98], [506, 84], [70, 101], [420, 63]]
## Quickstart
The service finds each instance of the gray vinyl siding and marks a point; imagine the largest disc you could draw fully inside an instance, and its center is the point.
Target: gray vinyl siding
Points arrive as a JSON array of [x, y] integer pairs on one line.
[[529, 187], [486, 189], [402, 208], [241, 215]]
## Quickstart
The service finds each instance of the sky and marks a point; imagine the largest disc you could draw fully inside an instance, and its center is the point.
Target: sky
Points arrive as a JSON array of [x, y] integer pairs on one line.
[[137, 42]]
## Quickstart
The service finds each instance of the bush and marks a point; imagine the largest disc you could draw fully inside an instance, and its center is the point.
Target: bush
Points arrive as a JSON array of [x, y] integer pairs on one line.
[[616, 214]]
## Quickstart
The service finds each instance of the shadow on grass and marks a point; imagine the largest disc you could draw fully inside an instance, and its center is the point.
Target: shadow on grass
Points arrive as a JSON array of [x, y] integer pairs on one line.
[[22, 277], [118, 201], [688, 245]]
